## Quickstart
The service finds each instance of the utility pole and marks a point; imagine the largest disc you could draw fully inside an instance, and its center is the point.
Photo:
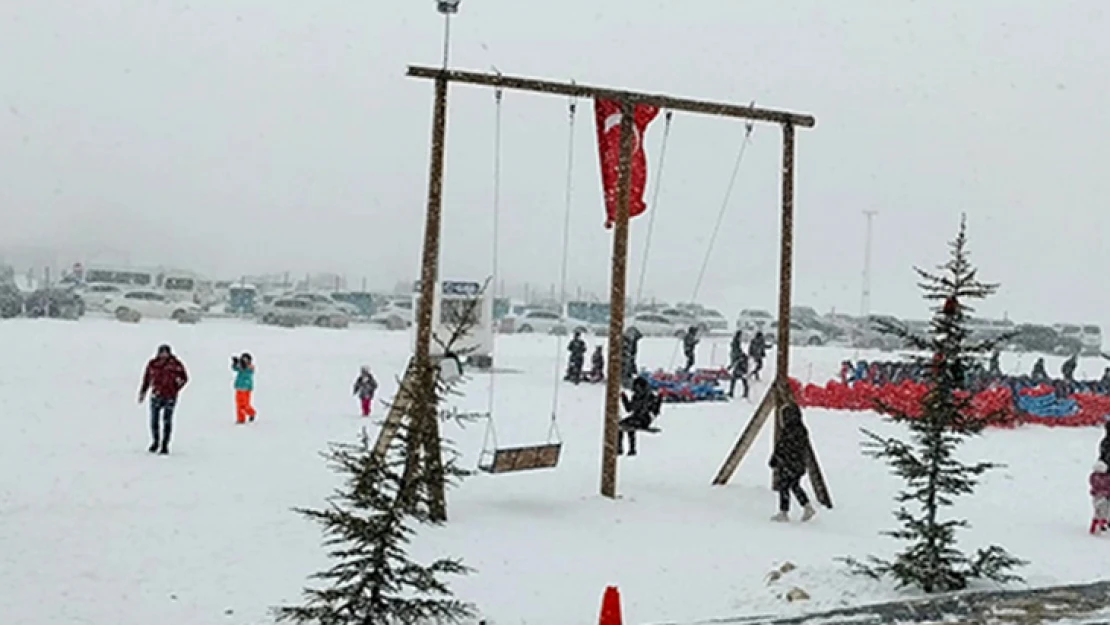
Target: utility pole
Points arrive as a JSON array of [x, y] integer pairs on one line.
[[865, 294]]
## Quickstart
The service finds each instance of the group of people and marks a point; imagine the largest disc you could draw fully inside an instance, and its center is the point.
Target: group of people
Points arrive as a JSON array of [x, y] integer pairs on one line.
[[165, 376], [981, 377], [577, 360]]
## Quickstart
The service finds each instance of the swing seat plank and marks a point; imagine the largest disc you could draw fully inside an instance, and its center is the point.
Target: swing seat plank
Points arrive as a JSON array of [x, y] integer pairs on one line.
[[516, 459]]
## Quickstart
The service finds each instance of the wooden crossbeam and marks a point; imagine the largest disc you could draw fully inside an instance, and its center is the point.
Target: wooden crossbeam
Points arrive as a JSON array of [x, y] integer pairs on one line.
[[571, 89]]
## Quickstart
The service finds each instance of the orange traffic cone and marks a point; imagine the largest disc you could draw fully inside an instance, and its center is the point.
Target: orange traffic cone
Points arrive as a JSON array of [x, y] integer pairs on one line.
[[611, 607]]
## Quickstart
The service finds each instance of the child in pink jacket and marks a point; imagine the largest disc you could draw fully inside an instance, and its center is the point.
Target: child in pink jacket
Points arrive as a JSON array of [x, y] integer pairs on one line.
[[1100, 497]]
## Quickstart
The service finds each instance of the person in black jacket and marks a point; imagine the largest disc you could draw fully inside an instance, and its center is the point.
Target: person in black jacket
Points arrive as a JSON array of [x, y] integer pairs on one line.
[[738, 365], [1104, 446], [789, 461], [643, 408], [597, 366], [1039, 373], [757, 350], [629, 348], [689, 347], [577, 349]]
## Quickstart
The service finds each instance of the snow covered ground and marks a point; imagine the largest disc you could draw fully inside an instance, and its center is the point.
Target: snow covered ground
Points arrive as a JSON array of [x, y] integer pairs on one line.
[[95, 530]]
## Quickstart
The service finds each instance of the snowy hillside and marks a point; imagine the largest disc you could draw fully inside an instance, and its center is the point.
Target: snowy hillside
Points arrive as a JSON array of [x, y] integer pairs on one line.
[[93, 529]]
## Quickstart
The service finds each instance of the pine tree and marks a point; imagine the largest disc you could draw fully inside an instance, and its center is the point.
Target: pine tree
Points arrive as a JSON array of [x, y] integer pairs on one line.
[[933, 476], [368, 529]]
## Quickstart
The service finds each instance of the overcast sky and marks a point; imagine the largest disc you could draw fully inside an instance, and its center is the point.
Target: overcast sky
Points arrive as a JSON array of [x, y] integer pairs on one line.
[[245, 135]]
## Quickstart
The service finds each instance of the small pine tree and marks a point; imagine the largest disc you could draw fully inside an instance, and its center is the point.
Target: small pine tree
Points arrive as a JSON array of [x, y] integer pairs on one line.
[[932, 474], [368, 528], [370, 520]]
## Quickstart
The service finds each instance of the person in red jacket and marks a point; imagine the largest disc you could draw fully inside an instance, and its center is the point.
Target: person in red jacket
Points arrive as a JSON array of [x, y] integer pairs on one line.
[[164, 377]]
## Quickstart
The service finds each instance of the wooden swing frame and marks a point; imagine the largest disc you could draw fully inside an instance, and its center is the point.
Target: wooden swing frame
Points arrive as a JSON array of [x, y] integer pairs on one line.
[[779, 394]]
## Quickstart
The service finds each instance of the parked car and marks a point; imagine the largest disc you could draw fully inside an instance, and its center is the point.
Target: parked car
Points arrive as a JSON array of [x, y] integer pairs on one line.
[[752, 320], [654, 324], [1069, 338], [541, 321], [55, 303], [712, 322], [1035, 338], [323, 301], [296, 311], [152, 305], [11, 301], [97, 295], [800, 334], [682, 317], [395, 315]]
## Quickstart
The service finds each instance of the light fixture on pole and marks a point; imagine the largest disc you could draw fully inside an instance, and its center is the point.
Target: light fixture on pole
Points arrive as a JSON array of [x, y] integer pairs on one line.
[[447, 8]]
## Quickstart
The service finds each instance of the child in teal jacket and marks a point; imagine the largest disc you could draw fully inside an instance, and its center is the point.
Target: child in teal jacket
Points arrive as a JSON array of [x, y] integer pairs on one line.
[[243, 366]]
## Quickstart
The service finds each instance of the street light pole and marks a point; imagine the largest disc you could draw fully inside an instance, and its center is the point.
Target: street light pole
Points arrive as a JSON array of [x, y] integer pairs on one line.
[[865, 294], [447, 8]]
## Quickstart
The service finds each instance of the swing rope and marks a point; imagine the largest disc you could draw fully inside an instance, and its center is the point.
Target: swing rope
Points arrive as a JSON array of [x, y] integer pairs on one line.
[[491, 431], [748, 127], [568, 196], [654, 205]]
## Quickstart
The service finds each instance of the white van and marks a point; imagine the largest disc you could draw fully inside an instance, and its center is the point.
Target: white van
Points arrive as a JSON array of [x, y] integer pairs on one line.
[[1091, 340], [452, 300]]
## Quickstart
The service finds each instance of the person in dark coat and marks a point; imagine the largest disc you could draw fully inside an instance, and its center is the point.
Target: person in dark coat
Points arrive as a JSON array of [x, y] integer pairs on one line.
[[597, 366], [757, 351], [164, 378], [1104, 445], [789, 461], [690, 346], [1039, 373], [1067, 370], [643, 408], [577, 349], [738, 365], [629, 348]]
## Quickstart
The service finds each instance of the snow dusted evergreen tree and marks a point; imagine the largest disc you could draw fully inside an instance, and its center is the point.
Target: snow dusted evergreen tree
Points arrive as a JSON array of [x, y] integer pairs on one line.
[[368, 527], [933, 476]]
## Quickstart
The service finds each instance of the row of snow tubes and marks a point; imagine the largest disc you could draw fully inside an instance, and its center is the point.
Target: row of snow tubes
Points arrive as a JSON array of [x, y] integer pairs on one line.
[[682, 387], [1039, 404]]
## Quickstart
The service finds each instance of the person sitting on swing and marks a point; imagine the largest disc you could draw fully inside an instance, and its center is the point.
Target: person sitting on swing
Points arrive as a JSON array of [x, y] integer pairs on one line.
[[597, 367], [577, 349], [643, 408]]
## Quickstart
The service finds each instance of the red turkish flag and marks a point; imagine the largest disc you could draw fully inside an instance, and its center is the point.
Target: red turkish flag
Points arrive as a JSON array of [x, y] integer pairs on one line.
[[607, 114]]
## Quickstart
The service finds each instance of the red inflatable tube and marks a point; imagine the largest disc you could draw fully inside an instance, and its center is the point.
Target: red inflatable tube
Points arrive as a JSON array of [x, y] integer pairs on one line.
[[907, 396]]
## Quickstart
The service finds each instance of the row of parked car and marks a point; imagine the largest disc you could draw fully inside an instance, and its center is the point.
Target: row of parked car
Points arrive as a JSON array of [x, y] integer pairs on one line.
[[808, 327]]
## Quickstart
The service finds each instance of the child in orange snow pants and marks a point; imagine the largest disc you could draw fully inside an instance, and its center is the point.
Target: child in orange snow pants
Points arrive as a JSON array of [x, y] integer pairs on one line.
[[243, 366]]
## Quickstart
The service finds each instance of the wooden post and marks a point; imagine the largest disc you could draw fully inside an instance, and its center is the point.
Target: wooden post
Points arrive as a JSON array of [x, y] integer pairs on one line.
[[616, 308], [425, 420]]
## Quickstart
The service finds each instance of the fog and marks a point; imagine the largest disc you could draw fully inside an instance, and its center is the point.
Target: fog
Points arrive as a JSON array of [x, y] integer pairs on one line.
[[238, 136]]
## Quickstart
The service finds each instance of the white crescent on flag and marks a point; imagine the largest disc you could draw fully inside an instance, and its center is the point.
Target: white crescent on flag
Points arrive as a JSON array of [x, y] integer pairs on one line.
[[614, 121]]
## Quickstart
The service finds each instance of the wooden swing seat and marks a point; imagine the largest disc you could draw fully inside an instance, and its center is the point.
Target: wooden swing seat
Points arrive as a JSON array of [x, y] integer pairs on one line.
[[516, 459]]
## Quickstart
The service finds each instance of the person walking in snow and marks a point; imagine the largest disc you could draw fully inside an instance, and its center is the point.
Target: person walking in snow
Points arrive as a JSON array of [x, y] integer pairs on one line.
[[164, 378], [757, 351], [597, 366], [738, 365], [789, 461], [1100, 497], [243, 366], [577, 349], [689, 347], [643, 408], [365, 387]]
